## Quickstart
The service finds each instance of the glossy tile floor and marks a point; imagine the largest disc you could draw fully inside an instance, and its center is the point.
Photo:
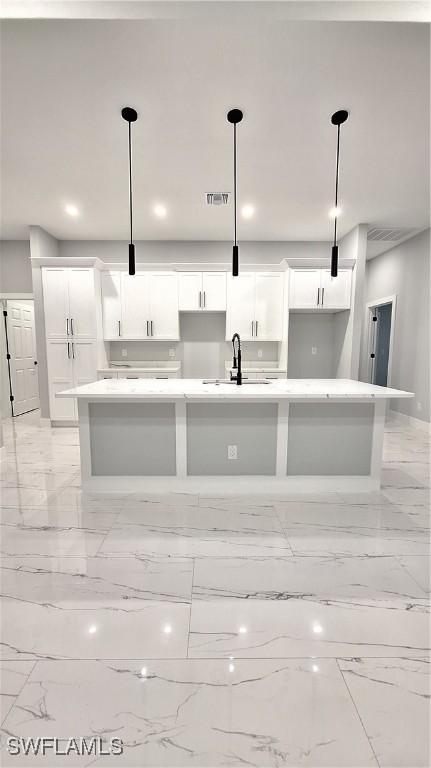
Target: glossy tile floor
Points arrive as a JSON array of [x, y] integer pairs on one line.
[[215, 631]]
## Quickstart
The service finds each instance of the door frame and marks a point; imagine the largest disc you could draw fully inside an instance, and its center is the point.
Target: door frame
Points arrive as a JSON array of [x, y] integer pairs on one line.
[[370, 306]]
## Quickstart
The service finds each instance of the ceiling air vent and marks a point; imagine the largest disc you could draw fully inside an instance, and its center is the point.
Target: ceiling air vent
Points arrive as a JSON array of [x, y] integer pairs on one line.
[[217, 198], [391, 234]]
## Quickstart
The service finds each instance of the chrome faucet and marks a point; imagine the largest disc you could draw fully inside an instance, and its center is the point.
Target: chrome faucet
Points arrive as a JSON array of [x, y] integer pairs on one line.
[[236, 364]]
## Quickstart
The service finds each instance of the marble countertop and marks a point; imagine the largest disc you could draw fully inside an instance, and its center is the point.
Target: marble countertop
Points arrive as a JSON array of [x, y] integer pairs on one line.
[[150, 366], [280, 389], [251, 366]]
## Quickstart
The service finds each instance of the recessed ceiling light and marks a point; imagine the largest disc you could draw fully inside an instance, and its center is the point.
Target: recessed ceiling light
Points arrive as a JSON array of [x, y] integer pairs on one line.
[[160, 211], [167, 629], [335, 212], [247, 211], [72, 210], [92, 629], [242, 630], [317, 628]]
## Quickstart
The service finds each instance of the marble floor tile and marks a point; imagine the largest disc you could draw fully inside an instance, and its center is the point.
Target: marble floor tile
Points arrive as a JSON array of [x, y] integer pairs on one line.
[[308, 578], [407, 475], [392, 697], [13, 675], [409, 496], [297, 627], [22, 497], [98, 629], [420, 570], [193, 713], [36, 540], [71, 583], [74, 498], [38, 517]]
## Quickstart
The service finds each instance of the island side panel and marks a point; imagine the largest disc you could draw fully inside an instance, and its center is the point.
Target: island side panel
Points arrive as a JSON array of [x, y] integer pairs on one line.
[[330, 439], [212, 427]]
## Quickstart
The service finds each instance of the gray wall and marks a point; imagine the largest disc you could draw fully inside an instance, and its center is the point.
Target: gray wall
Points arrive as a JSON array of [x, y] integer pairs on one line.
[[308, 330], [15, 266], [405, 271]]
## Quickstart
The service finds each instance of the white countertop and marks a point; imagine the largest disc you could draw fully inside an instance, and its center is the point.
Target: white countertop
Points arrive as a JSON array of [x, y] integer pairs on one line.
[[192, 389]]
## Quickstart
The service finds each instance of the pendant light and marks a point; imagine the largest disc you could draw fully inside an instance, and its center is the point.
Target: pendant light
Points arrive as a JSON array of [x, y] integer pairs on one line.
[[130, 116], [234, 117], [338, 118]]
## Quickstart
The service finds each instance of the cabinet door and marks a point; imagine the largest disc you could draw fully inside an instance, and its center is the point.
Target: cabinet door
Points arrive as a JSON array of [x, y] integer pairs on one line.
[[214, 291], [56, 302], [82, 303], [60, 375], [84, 362], [189, 291], [304, 288], [269, 306], [134, 306], [111, 304], [240, 306], [164, 318], [336, 290]]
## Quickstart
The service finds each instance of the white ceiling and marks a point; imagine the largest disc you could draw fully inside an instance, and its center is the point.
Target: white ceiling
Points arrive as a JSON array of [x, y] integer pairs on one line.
[[63, 140]]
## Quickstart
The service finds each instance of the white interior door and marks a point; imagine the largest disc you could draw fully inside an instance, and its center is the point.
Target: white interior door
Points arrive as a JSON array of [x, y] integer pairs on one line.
[[163, 296], [22, 350], [111, 304], [269, 306], [240, 306], [82, 304], [56, 302], [336, 290], [134, 306], [60, 374], [214, 291], [189, 291], [304, 288]]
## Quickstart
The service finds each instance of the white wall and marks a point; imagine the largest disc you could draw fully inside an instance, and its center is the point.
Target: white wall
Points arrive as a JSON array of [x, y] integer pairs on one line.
[[15, 266], [405, 272], [347, 326]]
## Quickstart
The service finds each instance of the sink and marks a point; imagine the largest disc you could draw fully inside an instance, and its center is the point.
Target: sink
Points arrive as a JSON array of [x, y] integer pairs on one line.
[[228, 381]]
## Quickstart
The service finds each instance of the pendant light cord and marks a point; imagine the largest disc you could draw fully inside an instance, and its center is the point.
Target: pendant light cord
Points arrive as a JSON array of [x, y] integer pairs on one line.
[[130, 183], [336, 184], [234, 179]]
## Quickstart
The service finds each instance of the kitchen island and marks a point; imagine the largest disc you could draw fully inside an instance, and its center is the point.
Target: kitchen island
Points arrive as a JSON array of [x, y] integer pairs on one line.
[[186, 435]]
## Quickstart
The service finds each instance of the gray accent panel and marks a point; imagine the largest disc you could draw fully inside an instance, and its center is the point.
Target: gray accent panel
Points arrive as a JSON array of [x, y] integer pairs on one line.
[[132, 438], [330, 438], [211, 427]]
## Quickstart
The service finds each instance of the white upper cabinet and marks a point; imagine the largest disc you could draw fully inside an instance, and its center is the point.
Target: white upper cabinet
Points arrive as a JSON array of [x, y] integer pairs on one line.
[[56, 302], [134, 306], [163, 306], [315, 289], [268, 324], [255, 306], [111, 304], [141, 306], [336, 290], [69, 297], [202, 291]]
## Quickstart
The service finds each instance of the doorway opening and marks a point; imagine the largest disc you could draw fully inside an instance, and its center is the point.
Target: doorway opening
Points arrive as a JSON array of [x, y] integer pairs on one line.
[[21, 359], [381, 323]]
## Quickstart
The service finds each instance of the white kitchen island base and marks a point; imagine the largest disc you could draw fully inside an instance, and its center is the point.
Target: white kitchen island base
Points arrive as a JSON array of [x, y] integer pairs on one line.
[[303, 436]]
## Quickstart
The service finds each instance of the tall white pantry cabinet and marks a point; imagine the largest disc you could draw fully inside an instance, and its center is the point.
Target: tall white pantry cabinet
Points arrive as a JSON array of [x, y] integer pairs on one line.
[[71, 297]]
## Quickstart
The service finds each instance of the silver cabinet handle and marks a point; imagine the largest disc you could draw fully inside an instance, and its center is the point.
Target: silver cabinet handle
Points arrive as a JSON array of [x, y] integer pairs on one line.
[[119, 327], [252, 325], [72, 332], [323, 293], [67, 326], [200, 299], [151, 327], [148, 325], [68, 350], [257, 322], [73, 350], [318, 296], [205, 300]]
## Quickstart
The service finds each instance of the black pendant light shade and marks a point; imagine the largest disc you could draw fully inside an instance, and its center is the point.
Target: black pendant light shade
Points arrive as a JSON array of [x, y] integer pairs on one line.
[[130, 116], [234, 116], [338, 118]]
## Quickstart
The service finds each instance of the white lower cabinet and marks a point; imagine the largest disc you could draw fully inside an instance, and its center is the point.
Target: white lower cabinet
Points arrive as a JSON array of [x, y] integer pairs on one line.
[[315, 289], [70, 364]]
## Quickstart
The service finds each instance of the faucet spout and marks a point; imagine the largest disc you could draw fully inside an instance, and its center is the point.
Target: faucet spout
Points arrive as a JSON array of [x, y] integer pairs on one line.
[[236, 363]]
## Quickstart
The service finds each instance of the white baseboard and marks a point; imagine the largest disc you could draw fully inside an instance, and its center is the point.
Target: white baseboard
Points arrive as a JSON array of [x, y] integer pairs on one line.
[[423, 426]]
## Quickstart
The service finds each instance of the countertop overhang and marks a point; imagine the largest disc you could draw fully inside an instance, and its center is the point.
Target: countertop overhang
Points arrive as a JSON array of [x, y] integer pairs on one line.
[[195, 389]]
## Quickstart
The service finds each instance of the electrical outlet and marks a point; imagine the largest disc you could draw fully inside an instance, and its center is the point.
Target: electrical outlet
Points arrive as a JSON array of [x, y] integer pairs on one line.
[[259, 353], [124, 353], [232, 451], [171, 353], [314, 350], [419, 406]]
